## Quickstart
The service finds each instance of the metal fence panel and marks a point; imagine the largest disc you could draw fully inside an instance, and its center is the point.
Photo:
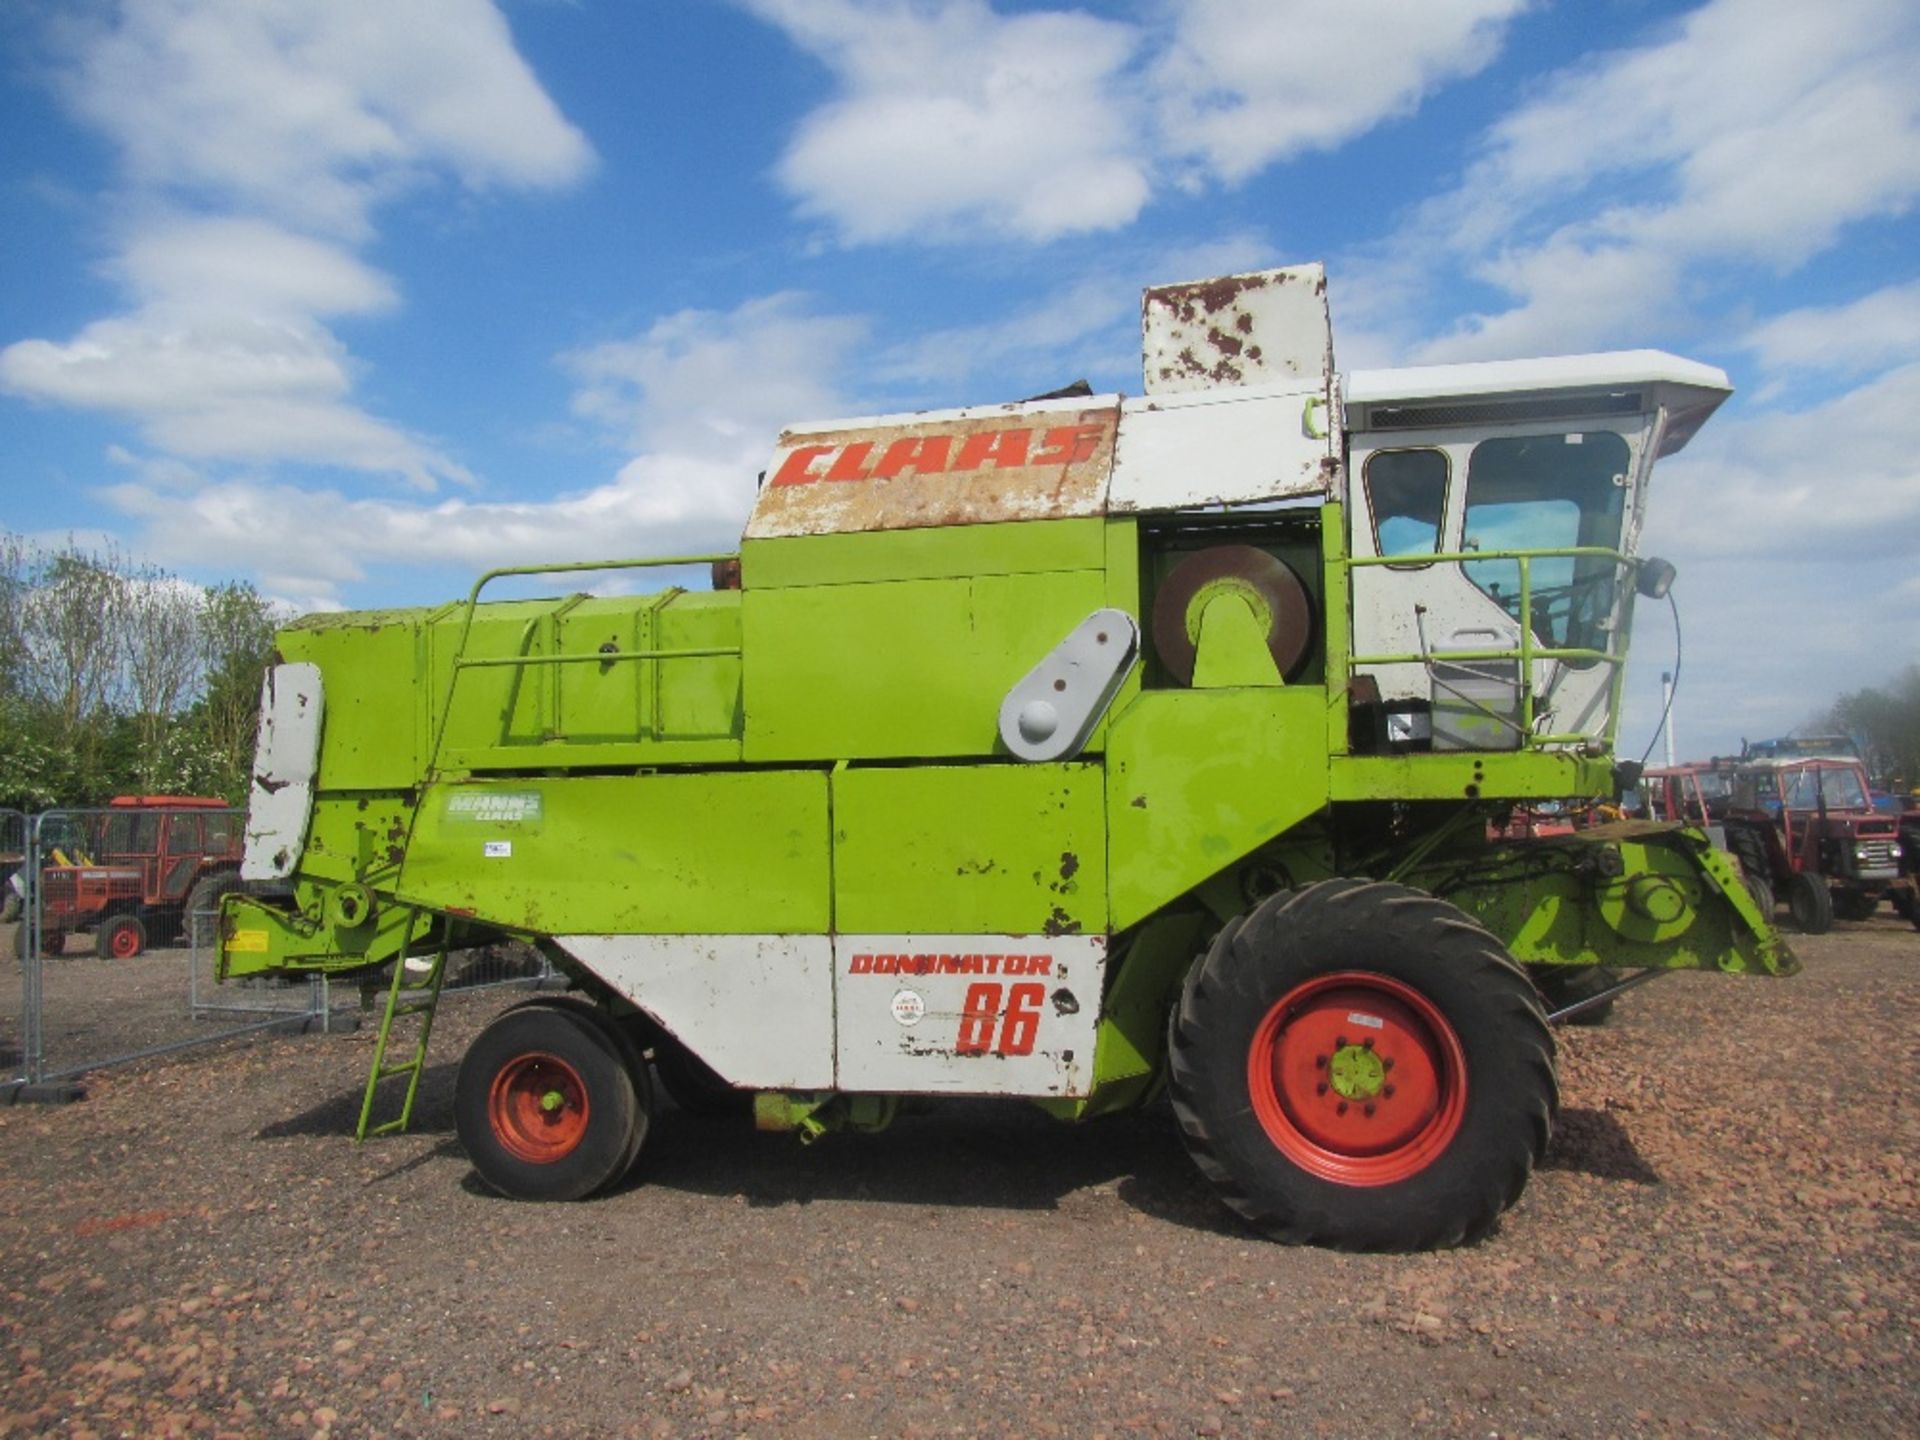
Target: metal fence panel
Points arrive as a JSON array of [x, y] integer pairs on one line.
[[115, 944], [108, 970]]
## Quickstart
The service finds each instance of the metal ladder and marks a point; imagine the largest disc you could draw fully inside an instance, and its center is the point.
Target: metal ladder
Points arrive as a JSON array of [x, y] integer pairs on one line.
[[411, 993]]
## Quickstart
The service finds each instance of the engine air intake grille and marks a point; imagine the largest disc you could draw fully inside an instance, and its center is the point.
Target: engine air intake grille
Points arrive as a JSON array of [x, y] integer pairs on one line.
[[1483, 412]]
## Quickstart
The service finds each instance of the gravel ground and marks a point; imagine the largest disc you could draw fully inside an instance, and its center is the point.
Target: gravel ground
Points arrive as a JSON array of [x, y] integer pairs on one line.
[[1722, 1242]]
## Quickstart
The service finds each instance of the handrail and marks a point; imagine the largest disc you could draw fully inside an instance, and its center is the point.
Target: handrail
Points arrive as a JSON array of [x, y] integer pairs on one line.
[[1526, 651], [461, 663], [595, 657]]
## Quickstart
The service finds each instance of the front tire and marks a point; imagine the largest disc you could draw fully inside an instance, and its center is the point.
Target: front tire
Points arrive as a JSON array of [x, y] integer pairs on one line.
[[1811, 903], [550, 1103], [120, 937], [1361, 1065]]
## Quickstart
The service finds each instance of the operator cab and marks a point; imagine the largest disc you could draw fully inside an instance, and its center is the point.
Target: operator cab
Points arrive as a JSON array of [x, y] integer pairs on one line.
[[1495, 515]]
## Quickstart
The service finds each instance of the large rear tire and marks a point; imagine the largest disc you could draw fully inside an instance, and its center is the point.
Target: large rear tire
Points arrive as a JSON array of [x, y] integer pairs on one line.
[[1361, 1065], [550, 1102], [1811, 903]]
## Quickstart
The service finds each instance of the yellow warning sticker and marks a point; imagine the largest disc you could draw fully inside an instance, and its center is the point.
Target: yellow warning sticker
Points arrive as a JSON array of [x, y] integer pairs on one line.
[[248, 942]]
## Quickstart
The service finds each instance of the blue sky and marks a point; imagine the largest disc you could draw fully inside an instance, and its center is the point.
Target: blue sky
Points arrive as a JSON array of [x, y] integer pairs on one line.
[[352, 298]]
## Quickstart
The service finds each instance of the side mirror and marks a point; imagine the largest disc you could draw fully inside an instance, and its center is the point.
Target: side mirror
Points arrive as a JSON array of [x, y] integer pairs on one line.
[[1655, 578]]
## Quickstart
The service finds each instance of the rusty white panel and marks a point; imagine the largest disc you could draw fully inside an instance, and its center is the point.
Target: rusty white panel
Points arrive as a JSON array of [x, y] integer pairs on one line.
[[285, 756], [968, 1014], [757, 1008], [1038, 461], [1270, 327], [1226, 447]]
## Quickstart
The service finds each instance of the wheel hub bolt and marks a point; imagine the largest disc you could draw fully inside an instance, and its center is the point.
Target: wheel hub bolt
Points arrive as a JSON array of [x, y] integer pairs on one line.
[[1341, 1108], [1368, 1111]]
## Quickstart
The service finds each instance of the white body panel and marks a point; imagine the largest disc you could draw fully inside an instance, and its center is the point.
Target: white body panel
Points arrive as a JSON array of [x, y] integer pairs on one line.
[[968, 1014], [1225, 447], [1268, 327], [285, 757], [757, 1008]]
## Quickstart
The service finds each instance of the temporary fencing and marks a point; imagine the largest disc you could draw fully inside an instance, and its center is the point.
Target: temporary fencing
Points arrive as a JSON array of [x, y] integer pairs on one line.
[[115, 937]]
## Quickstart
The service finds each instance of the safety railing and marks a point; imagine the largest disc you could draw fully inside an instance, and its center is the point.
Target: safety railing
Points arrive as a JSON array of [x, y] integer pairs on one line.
[[1528, 649], [521, 663]]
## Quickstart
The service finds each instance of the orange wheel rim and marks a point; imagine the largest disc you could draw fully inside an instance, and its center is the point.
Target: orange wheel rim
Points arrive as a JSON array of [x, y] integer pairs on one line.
[[1358, 1078], [537, 1107], [126, 944]]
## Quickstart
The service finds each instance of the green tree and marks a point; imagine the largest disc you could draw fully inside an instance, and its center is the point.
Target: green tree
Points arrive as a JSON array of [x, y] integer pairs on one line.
[[236, 637], [1886, 725]]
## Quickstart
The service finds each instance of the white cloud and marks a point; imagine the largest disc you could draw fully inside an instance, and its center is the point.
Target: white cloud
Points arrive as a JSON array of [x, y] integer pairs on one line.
[[954, 121], [1247, 82], [1036, 342], [1742, 140], [705, 383], [256, 137], [700, 396], [1874, 331], [224, 358], [312, 110], [1797, 537], [249, 266]]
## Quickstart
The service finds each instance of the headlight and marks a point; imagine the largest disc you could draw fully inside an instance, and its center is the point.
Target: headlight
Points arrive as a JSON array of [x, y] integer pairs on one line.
[[1895, 851]]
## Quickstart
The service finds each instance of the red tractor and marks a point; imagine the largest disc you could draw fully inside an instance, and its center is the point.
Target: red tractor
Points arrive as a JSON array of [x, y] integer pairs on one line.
[[1809, 826], [149, 863]]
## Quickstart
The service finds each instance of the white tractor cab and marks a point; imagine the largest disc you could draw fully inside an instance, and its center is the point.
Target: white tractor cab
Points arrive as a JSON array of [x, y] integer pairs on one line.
[[1455, 470]]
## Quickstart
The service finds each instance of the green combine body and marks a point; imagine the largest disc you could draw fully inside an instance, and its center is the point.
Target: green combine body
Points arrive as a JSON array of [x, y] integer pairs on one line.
[[1067, 750]]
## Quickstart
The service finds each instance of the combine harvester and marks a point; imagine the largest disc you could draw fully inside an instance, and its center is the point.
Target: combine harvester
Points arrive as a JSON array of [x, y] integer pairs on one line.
[[1068, 751]]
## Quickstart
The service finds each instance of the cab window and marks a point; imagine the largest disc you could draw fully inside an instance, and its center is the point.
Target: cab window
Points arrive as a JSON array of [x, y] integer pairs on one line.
[[1407, 492], [1549, 492]]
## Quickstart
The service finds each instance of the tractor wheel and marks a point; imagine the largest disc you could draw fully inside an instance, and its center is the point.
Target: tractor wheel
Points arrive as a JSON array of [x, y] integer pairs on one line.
[[1904, 902], [550, 1103], [1564, 985], [1761, 889], [1811, 903], [52, 942], [1361, 1065], [1854, 904], [694, 1085], [120, 937], [201, 922]]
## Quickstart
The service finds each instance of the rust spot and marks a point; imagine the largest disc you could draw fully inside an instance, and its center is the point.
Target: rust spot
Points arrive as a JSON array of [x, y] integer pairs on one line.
[[1069, 865], [1060, 923], [1223, 342], [1064, 1002], [269, 785], [1139, 802]]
